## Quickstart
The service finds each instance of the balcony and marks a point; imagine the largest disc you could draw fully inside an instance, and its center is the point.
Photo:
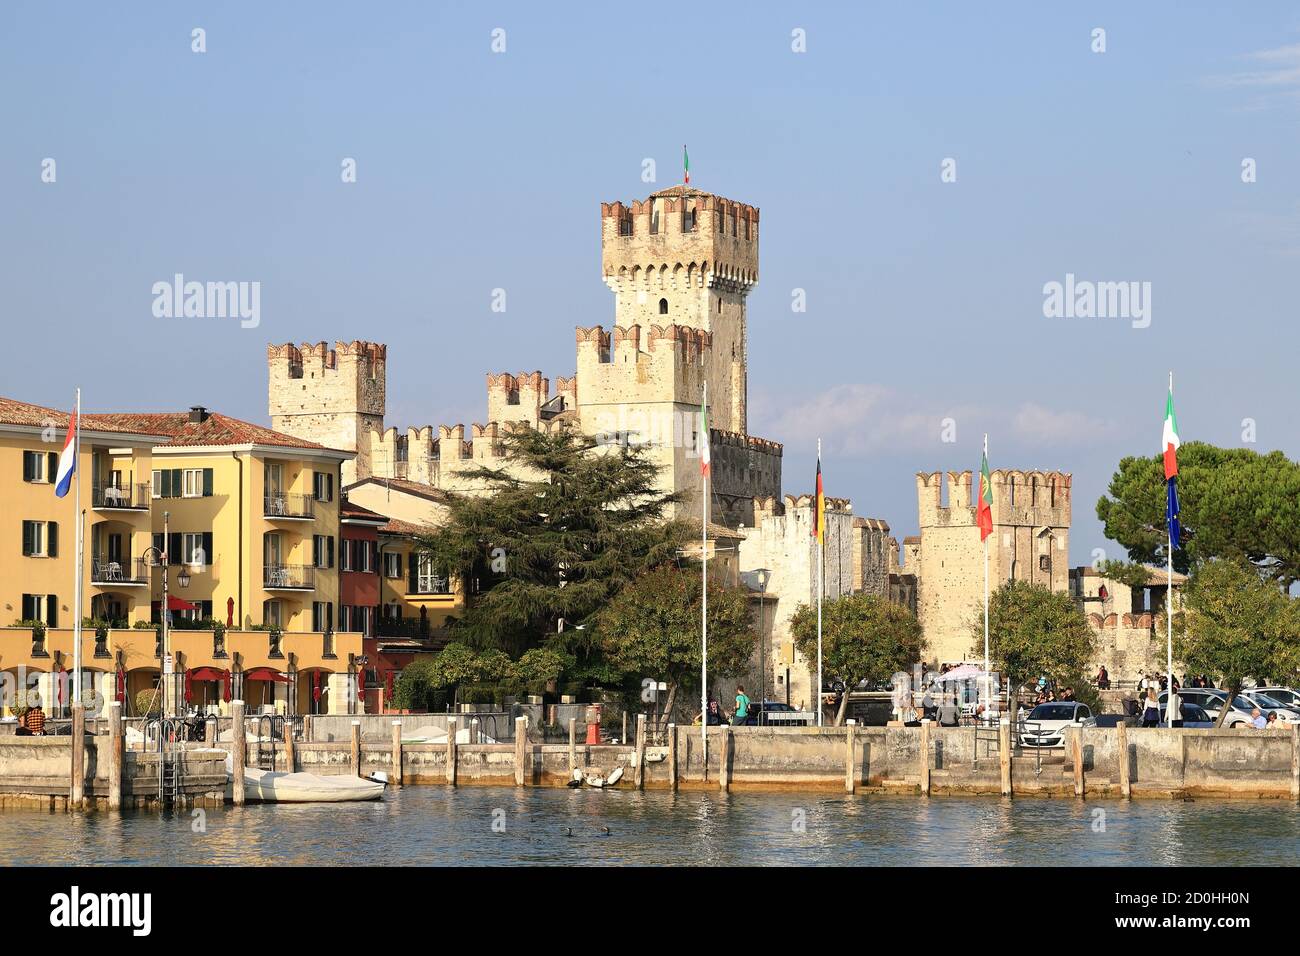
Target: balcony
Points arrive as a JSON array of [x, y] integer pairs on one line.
[[288, 577], [128, 498], [282, 506], [124, 572]]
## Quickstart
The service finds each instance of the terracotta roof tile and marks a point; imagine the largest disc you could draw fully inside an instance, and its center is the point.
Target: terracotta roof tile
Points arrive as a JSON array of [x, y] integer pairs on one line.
[[397, 526], [215, 429], [14, 412]]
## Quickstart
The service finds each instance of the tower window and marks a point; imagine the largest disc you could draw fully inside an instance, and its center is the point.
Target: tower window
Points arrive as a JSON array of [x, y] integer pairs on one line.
[[663, 306], [719, 305]]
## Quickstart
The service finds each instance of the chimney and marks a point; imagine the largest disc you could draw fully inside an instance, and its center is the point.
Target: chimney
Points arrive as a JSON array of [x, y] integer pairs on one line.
[[198, 414]]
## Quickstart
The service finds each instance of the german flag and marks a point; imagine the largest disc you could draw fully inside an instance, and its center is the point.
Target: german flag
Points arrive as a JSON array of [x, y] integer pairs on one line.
[[819, 514]]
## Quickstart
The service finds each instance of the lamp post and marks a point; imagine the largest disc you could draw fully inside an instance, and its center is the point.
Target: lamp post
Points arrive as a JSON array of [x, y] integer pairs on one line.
[[764, 575], [161, 558]]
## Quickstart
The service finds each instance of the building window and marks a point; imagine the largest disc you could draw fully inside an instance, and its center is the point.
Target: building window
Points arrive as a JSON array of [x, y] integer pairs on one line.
[[41, 607], [323, 486], [345, 554], [392, 564], [272, 613], [322, 616], [322, 551], [423, 579], [663, 306], [625, 226], [40, 539], [193, 483], [367, 556], [182, 482], [40, 466]]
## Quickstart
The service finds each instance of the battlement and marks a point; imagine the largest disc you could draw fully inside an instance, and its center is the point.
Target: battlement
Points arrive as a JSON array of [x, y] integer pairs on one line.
[[296, 360], [656, 364], [686, 344], [719, 438], [1019, 498], [682, 236]]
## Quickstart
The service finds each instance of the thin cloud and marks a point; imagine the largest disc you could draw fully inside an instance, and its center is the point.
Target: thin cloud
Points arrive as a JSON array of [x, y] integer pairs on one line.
[[1039, 425]]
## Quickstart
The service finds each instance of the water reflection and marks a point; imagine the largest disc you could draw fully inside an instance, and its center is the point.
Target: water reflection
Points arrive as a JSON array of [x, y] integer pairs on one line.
[[435, 825]]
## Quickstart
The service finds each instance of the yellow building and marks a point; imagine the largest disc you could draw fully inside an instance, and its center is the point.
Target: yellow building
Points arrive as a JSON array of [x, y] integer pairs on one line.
[[252, 518]]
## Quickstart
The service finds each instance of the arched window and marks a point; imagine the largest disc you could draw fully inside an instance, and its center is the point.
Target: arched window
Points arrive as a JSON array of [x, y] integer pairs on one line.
[[663, 306]]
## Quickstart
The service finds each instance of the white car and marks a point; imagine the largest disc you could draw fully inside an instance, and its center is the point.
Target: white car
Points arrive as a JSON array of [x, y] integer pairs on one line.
[[1268, 704], [1288, 697], [1046, 724], [1212, 701]]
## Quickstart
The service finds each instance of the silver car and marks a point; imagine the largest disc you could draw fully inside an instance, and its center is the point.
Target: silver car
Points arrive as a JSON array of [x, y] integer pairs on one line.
[[1212, 701], [1046, 724]]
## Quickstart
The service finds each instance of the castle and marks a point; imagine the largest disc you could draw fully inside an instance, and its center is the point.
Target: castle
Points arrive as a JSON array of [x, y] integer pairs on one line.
[[681, 264]]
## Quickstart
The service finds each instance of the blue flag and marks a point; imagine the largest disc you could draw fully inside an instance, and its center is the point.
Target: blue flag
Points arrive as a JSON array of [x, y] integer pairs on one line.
[[1171, 513]]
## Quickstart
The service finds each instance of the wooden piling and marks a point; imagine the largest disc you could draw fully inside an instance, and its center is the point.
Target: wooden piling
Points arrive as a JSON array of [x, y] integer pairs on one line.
[[850, 778], [925, 758], [521, 748], [1295, 762], [639, 775], [115, 755], [451, 751], [573, 745], [1126, 787], [672, 757], [238, 751], [77, 785], [623, 739], [396, 777], [290, 752], [356, 747], [1004, 755], [724, 758], [474, 737], [1076, 756]]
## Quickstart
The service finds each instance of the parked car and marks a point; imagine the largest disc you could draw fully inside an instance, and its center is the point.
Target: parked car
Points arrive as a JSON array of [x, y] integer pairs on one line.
[[1287, 696], [1110, 720], [757, 710], [1194, 716], [1268, 704], [1212, 702], [1046, 724]]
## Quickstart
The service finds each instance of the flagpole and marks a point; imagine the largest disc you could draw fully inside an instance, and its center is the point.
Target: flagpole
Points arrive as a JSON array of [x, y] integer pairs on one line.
[[987, 689], [76, 590], [1169, 603], [821, 583], [704, 594]]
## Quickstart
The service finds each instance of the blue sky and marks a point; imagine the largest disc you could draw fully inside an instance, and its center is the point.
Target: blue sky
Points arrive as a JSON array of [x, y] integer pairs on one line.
[[478, 170]]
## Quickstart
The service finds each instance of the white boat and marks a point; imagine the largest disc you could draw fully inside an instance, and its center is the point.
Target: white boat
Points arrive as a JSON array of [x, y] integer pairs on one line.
[[270, 786]]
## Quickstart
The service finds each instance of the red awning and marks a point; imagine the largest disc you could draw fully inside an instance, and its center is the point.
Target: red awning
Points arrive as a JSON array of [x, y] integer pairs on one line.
[[265, 673], [176, 604], [208, 674]]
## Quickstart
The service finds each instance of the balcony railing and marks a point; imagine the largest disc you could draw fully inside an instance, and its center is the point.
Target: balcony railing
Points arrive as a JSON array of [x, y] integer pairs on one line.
[[429, 584], [282, 505], [295, 577], [105, 570], [128, 497]]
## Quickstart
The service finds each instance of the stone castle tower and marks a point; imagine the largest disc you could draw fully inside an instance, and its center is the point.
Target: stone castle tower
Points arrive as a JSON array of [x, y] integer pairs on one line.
[[680, 263], [1030, 542], [333, 396]]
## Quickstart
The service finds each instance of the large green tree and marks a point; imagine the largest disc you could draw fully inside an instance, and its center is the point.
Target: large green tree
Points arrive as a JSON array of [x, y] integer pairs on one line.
[[1237, 626], [558, 531], [864, 637], [651, 631], [1234, 503], [1033, 632]]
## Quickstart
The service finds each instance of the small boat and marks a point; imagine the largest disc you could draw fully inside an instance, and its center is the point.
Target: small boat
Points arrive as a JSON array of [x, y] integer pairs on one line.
[[576, 779], [269, 786]]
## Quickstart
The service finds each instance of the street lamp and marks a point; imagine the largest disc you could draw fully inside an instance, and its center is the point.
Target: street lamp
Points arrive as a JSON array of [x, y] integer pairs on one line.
[[764, 575], [159, 558]]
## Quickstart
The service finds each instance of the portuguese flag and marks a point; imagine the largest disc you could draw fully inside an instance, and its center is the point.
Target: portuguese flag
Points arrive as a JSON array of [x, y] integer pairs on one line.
[[984, 511], [686, 163]]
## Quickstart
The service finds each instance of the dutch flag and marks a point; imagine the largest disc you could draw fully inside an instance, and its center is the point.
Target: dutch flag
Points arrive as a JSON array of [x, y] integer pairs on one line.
[[68, 459]]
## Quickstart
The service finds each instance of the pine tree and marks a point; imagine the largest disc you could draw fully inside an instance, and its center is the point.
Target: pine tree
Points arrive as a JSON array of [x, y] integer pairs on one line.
[[563, 526]]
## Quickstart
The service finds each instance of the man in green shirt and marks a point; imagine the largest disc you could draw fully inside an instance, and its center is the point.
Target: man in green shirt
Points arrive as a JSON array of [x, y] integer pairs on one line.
[[742, 706]]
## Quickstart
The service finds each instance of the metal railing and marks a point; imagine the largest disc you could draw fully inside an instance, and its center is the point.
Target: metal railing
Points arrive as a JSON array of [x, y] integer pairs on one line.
[[283, 505], [136, 497], [299, 577], [105, 570]]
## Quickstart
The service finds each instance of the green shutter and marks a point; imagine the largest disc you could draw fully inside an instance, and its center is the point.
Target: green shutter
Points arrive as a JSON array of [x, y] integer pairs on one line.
[[178, 482], [51, 611], [29, 466], [165, 483], [29, 535], [51, 466], [413, 578], [52, 539], [207, 482], [207, 547]]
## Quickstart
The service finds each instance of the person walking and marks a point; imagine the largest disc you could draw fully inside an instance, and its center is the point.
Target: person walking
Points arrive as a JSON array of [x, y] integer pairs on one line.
[[1151, 709], [742, 705]]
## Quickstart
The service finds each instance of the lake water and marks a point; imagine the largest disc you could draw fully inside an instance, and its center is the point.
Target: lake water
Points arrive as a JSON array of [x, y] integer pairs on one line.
[[479, 825]]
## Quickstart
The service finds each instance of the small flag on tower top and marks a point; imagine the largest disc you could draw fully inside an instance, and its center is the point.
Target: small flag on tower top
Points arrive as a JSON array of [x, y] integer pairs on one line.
[[686, 164], [984, 512]]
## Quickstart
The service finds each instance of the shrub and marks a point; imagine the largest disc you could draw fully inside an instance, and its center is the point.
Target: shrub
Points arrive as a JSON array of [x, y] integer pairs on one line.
[[148, 703]]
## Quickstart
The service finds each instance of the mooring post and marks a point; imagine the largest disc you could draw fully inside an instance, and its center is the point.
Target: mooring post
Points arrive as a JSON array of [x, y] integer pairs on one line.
[[356, 747], [474, 737], [1076, 755], [451, 751], [115, 755], [623, 739], [724, 756], [850, 778], [672, 757], [1295, 762], [77, 786], [1004, 754], [573, 744], [640, 751], [925, 758], [397, 778], [521, 748], [290, 756], [1126, 787], [238, 751]]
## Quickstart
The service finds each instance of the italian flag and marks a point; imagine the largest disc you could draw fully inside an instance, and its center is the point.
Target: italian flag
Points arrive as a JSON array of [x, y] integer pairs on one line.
[[1170, 441], [686, 164], [984, 511], [704, 439]]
